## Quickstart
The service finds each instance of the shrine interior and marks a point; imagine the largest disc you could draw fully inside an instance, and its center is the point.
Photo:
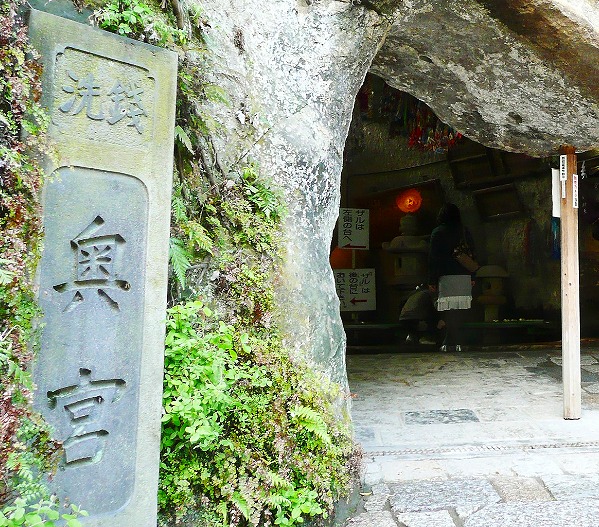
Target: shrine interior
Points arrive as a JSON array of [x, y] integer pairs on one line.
[[401, 163]]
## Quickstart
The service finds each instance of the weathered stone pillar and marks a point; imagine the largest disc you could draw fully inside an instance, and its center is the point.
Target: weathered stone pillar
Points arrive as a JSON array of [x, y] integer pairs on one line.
[[102, 284]]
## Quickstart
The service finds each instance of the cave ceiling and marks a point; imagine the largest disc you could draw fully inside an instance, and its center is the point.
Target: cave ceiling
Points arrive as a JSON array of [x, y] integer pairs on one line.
[[520, 75]]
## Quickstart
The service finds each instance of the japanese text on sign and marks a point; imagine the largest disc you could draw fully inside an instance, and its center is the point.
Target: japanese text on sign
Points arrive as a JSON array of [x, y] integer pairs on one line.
[[575, 191], [356, 289], [353, 227], [563, 164], [113, 102], [84, 405]]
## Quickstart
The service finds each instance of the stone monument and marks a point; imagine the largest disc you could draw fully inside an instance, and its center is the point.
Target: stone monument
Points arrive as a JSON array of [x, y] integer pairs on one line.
[[103, 273]]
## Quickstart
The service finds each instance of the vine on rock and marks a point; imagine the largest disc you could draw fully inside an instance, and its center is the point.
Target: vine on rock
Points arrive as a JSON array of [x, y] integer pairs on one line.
[[250, 436]]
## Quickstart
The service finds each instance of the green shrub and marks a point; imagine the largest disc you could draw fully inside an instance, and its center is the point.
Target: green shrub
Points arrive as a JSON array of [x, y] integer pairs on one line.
[[248, 434], [139, 20], [45, 513]]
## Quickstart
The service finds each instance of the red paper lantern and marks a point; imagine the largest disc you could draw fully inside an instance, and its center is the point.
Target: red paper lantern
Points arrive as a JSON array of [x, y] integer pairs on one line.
[[409, 200]]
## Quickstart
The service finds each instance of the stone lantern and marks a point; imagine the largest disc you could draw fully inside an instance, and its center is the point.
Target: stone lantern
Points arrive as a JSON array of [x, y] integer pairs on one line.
[[492, 278]]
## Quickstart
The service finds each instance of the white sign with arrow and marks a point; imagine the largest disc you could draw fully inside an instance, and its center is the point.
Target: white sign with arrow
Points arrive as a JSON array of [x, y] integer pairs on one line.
[[353, 227], [356, 289]]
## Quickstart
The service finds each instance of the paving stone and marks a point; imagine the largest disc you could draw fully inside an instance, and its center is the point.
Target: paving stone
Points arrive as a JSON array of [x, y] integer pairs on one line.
[[585, 360], [372, 473], [505, 413], [535, 465], [477, 466], [372, 519], [546, 514], [572, 487], [537, 410], [442, 494], [546, 368], [437, 454], [364, 434], [465, 512], [592, 388], [589, 401], [520, 489], [585, 462], [395, 470], [426, 519], [376, 503], [460, 415], [381, 488]]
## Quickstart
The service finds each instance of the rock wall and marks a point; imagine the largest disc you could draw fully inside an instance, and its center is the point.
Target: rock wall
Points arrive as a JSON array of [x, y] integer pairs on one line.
[[292, 69]]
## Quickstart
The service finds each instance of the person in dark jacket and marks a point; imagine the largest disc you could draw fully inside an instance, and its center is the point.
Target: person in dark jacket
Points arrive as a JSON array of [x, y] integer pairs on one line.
[[447, 277]]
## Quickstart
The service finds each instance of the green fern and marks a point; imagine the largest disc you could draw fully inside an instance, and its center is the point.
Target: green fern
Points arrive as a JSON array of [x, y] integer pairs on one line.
[[180, 259], [199, 237], [265, 200], [182, 138], [277, 481], [179, 209], [257, 193], [277, 501], [312, 421], [242, 504]]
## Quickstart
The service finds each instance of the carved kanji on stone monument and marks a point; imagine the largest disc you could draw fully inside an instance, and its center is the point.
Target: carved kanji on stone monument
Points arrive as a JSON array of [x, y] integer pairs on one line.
[[85, 407], [96, 258]]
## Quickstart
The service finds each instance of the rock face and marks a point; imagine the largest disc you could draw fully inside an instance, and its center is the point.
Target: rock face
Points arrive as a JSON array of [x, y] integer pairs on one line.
[[292, 71], [518, 75]]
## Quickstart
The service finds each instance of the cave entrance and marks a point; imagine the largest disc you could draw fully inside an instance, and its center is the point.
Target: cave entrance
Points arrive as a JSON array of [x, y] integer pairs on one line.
[[401, 164]]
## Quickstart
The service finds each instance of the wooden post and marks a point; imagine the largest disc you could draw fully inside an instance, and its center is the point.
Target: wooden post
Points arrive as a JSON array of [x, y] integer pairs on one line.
[[570, 288]]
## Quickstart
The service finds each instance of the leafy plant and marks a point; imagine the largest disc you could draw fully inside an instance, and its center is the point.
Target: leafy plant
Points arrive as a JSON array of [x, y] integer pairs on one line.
[[265, 200], [6, 276], [179, 257], [44, 513], [243, 435], [139, 20]]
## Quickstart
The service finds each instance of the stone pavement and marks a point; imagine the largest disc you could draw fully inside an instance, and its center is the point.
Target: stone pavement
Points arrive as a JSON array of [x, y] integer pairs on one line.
[[474, 439]]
